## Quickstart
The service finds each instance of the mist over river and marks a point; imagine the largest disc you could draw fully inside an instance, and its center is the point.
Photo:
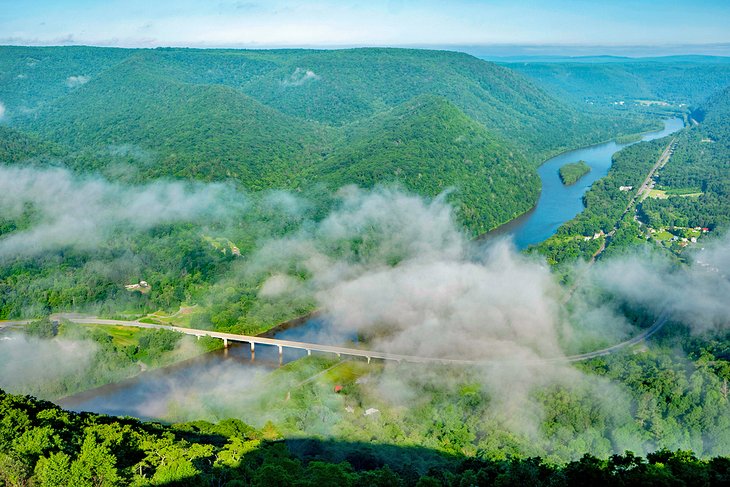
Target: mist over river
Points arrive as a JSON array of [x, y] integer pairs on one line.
[[153, 394]]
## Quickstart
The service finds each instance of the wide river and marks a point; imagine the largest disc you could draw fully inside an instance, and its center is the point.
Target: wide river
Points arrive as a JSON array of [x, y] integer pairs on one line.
[[154, 394]]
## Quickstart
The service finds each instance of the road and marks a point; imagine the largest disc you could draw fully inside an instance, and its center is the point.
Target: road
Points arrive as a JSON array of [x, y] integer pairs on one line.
[[663, 159], [353, 352]]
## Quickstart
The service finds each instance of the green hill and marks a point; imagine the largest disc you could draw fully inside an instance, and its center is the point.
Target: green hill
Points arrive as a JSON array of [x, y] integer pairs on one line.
[[429, 120], [681, 80], [336, 87], [428, 145], [194, 131]]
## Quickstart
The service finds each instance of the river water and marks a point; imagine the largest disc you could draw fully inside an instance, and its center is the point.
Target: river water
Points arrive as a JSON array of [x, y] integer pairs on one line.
[[559, 203], [153, 394]]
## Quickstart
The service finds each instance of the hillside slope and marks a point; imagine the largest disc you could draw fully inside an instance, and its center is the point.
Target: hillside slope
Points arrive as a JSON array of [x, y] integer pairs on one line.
[[194, 131], [428, 145], [292, 118], [677, 81]]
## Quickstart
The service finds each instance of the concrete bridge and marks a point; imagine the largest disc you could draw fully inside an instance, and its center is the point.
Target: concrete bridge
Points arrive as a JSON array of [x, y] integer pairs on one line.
[[227, 338]]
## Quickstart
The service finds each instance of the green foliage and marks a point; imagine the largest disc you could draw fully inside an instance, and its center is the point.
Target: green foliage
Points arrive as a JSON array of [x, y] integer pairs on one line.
[[571, 172], [699, 166], [102, 451], [42, 328], [673, 80]]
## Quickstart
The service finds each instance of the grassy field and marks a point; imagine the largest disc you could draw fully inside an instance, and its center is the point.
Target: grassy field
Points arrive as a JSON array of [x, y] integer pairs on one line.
[[661, 194]]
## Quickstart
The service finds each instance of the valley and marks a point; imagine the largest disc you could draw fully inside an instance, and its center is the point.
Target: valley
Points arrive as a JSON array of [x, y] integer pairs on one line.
[[361, 266]]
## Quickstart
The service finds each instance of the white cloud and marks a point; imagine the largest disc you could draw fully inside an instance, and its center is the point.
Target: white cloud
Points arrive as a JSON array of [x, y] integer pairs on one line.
[[76, 81], [299, 77], [80, 212]]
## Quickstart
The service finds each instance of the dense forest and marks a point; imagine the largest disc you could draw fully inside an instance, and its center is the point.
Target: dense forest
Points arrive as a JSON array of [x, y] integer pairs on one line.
[[690, 192], [656, 84], [47, 446], [571, 172]]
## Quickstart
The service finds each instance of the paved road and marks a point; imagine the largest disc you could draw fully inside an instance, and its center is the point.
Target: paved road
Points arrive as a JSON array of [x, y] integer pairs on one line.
[[354, 352], [663, 159]]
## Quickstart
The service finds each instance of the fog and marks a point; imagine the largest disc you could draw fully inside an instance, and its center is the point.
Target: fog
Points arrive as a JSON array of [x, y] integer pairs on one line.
[[76, 81], [696, 294], [398, 270], [26, 362], [299, 77], [66, 210]]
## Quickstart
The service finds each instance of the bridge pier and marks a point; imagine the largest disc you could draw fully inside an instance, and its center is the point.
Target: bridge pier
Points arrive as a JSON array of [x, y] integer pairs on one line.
[[225, 343], [309, 352], [368, 359], [253, 347]]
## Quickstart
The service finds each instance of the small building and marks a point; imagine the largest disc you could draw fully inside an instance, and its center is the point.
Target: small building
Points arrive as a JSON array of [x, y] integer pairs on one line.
[[371, 411], [338, 388], [625, 188]]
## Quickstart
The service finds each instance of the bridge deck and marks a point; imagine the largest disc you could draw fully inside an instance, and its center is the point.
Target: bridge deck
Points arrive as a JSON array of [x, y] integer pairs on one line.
[[356, 352]]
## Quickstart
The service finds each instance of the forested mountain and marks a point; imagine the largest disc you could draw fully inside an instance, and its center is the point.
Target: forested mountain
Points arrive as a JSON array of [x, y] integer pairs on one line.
[[466, 157], [676, 80], [208, 132], [290, 118], [697, 181]]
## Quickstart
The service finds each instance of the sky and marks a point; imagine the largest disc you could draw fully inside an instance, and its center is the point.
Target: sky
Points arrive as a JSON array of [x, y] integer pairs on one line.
[[670, 26]]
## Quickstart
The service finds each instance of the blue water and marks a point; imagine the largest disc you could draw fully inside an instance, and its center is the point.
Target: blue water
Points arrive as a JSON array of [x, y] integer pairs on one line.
[[559, 203]]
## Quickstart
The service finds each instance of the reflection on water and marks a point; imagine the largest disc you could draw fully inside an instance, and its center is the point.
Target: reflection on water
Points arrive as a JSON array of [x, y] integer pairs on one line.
[[149, 395]]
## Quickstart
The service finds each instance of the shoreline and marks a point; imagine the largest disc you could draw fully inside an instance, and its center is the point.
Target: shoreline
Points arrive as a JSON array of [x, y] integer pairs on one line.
[[505, 227]]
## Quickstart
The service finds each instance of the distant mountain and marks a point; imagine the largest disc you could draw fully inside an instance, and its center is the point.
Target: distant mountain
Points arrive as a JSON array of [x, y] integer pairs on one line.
[[693, 58], [675, 79]]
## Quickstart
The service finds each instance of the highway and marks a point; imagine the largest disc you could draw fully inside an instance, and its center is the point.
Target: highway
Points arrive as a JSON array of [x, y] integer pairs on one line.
[[353, 352]]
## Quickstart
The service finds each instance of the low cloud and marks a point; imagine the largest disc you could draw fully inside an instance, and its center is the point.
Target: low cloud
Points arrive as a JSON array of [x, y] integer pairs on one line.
[[2, 110], [76, 81], [66, 210], [299, 77], [29, 363], [696, 294]]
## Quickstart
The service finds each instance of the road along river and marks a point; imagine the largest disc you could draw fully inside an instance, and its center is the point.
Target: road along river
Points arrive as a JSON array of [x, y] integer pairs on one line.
[[557, 204]]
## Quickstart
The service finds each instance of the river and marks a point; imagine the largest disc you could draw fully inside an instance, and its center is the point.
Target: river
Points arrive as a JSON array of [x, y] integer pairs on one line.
[[559, 203], [153, 394]]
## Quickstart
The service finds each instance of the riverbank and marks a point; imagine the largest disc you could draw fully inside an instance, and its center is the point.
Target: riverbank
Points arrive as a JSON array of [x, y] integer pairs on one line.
[[559, 203]]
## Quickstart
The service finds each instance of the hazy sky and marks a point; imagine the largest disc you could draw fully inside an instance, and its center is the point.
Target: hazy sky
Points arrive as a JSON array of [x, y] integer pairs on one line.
[[267, 23]]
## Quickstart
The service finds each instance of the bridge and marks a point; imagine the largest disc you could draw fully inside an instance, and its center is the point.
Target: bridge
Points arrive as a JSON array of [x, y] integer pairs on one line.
[[227, 338]]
